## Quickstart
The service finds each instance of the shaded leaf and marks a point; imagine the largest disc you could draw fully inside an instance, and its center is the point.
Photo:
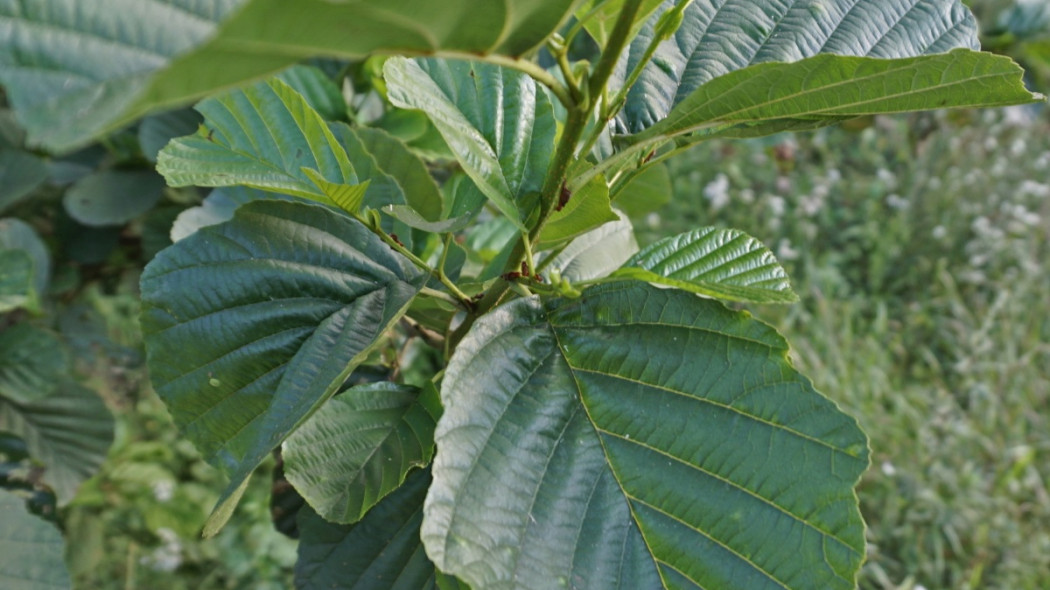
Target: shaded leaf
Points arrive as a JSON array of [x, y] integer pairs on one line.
[[157, 130], [647, 191], [411, 218], [33, 362], [113, 197], [69, 431], [218, 207], [359, 446], [498, 125], [18, 235], [296, 297], [263, 137], [722, 263], [21, 173], [16, 282], [639, 438], [30, 549], [74, 71]]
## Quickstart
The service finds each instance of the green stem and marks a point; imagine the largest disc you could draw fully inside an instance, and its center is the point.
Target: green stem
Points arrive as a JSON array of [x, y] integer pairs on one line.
[[463, 298]]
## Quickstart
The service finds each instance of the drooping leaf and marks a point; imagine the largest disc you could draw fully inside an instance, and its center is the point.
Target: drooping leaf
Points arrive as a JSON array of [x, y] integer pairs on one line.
[[76, 70], [397, 175], [20, 174], [296, 296], [586, 209], [825, 89], [498, 125], [382, 551], [262, 137], [30, 549], [360, 446], [411, 218], [597, 253], [639, 438], [113, 197], [33, 362], [723, 36], [722, 263], [18, 235], [68, 431]]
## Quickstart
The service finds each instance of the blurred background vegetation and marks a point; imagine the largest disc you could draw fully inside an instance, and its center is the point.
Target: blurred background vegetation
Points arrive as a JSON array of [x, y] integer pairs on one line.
[[920, 246]]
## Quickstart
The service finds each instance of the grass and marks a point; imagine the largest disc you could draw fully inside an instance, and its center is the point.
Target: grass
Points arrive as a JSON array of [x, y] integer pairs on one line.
[[920, 247]]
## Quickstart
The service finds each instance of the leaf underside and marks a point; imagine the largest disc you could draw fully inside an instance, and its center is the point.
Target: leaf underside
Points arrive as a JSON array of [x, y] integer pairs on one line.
[[639, 438]]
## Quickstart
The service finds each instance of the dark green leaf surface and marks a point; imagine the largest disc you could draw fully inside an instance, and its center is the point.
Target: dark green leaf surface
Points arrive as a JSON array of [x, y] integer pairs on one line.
[[75, 70], [382, 552], [263, 137], [251, 324], [30, 549], [113, 197], [33, 362], [640, 438], [360, 446], [722, 263], [20, 174], [69, 432], [722, 36], [218, 207], [16, 281], [156, 131], [498, 125], [824, 89]]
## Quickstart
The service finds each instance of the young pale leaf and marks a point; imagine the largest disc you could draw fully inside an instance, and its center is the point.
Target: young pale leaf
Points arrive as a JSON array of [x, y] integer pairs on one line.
[[498, 125], [262, 136], [295, 297], [75, 70], [360, 446], [411, 218], [597, 253], [348, 197], [31, 549], [373, 554], [827, 88], [640, 438], [33, 362], [722, 263], [716, 38], [69, 431], [584, 210]]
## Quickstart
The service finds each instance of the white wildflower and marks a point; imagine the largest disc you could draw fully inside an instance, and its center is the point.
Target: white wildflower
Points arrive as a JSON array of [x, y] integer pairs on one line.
[[717, 192]]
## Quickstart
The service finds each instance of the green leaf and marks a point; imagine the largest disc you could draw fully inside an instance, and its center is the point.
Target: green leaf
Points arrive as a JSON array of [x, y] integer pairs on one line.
[[640, 438], [69, 431], [17, 235], [21, 173], [33, 362], [586, 209], [398, 176], [647, 191], [602, 14], [218, 207], [74, 71], [722, 263], [317, 89], [16, 282], [597, 253], [113, 197], [157, 130], [382, 551], [499, 126], [827, 88], [348, 197], [723, 36], [31, 549], [296, 296], [360, 446], [263, 137], [411, 218]]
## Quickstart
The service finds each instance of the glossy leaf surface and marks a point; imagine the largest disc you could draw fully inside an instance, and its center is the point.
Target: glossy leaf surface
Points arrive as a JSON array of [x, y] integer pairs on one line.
[[31, 549], [722, 263], [251, 324], [640, 438], [498, 125], [75, 70], [69, 431], [360, 446], [598, 252], [262, 136]]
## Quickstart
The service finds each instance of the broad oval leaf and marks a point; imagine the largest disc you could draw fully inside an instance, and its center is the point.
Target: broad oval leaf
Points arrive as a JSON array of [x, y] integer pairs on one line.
[[723, 36], [75, 70], [597, 253], [640, 438], [33, 362], [263, 137], [382, 551], [251, 324], [113, 197], [18, 236], [359, 446], [497, 123], [69, 431], [722, 263], [31, 549], [21, 173]]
